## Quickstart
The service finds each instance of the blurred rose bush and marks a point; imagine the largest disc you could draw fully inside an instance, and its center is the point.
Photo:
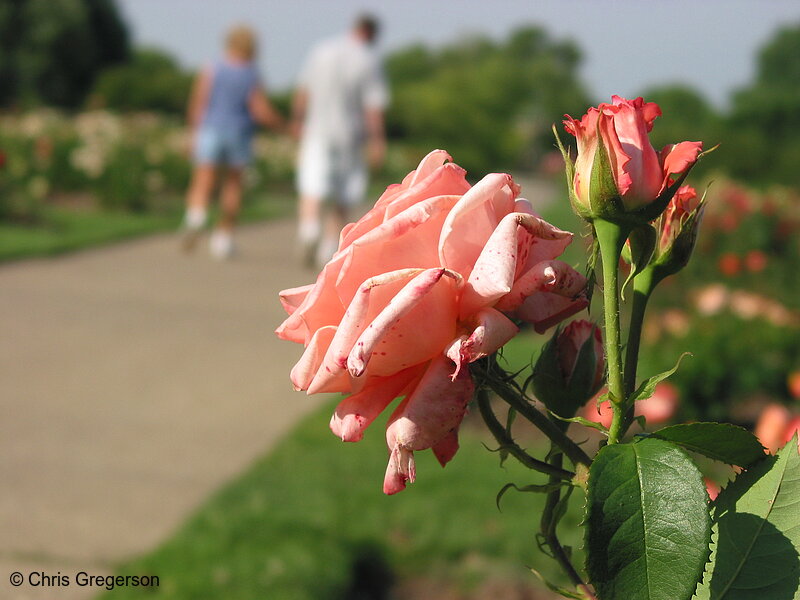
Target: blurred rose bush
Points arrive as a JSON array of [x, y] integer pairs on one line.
[[425, 283], [128, 162]]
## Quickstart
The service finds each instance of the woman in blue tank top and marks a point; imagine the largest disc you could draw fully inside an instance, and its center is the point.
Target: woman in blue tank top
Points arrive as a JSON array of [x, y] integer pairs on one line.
[[226, 103]]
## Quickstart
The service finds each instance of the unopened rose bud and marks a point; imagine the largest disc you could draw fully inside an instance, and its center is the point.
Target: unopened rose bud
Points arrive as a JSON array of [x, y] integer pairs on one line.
[[617, 172], [677, 230], [570, 369]]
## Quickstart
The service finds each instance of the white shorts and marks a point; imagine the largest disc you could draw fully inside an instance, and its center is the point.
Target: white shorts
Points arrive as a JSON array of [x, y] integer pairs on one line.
[[331, 172]]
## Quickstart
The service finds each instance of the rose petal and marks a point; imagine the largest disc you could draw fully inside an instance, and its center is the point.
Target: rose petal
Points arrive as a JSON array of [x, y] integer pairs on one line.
[[446, 449], [676, 158], [494, 271], [407, 239], [447, 180], [332, 375], [292, 298], [321, 307], [492, 329], [473, 219], [356, 412], [438, 320], [552, 276], [543, 310], [303, 372], [432, 412]]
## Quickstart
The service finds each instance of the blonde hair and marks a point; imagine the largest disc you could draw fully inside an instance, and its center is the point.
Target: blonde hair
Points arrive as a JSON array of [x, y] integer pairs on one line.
[[242, 41]]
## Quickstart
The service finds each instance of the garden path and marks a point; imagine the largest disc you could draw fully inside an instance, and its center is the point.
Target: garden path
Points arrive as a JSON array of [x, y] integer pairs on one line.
[[135, 381]]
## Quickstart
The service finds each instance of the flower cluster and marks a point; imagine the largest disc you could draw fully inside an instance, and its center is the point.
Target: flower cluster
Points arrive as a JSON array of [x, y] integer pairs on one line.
[[425, 283]]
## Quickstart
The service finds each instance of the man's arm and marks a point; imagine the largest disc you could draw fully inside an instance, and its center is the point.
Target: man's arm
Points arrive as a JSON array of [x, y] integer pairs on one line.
[[376, 137]]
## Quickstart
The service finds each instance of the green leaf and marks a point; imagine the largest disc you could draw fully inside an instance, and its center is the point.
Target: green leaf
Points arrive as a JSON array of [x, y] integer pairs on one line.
[[648, 386], [569, 166], [720, 441], [648, 527], [642, 241], [756, 533]]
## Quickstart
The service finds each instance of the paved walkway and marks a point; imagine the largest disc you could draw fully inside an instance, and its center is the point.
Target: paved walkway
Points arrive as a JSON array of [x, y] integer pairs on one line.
[[134, 381]]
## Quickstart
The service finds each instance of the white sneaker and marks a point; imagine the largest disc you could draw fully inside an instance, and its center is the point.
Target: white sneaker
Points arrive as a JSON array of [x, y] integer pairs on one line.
[[221, 245], [193, 223]]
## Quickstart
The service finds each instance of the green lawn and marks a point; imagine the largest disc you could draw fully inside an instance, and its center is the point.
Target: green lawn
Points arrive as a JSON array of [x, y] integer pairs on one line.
[[309, 521]]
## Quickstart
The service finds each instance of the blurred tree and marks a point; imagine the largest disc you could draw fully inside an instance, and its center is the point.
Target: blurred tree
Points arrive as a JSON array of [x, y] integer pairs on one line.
[[152, 80], [52, 50], [765, 119], [491, 104]]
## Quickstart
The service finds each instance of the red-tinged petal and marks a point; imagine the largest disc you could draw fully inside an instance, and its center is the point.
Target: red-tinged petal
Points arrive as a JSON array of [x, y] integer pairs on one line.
[[446, 449], [543, 310], [496, 267], [473, 219], [356, 412], [425, 419], [649, 110], [407, 239], [292, 298], [434, 409], [552, 276], [491, 330], [303, 372], [676, 158], [333, 376], [432, 294], [401, 469]]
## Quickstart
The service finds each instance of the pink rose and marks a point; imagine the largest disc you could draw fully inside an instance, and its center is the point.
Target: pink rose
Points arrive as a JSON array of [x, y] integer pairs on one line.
[[421, 286], [639, 173]]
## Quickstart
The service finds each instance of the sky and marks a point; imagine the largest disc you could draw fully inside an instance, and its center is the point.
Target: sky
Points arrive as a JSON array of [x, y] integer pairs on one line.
[[628, 45]]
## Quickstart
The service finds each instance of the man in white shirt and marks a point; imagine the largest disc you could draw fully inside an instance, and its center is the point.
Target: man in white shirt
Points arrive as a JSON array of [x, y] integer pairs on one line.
[[338, 113]]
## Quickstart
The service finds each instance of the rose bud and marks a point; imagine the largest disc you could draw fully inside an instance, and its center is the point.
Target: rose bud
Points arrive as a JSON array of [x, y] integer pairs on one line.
[[617, 172], [677, 230], [570, 369], [425, 283]]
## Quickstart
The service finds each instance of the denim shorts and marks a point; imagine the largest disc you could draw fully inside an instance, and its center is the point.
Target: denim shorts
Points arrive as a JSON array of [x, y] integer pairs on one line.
[[215, 146]]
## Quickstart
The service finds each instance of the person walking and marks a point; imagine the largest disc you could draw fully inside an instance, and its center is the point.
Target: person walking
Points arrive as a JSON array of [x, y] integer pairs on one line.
[[338, 114], [226, 102]]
